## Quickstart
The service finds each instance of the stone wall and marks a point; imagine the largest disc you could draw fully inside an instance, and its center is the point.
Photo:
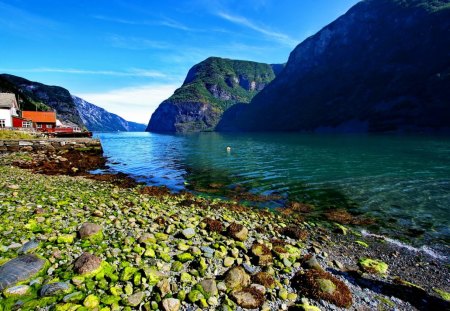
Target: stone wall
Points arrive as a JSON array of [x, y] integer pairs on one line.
[[49, 145]]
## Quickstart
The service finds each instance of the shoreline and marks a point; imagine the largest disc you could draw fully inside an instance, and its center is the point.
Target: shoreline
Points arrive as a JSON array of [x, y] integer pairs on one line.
[[334, 251]]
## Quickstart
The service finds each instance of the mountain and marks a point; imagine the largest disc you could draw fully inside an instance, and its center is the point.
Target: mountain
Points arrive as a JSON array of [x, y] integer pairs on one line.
[[41, 97], [38, 96], [210, 88], [384, 66], [98, 119]]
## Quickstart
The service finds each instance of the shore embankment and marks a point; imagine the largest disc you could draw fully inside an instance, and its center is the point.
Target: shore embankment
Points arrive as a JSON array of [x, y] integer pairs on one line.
[[73, 243]]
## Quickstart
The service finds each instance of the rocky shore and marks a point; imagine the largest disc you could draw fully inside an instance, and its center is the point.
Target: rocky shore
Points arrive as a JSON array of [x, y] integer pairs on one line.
[[74, 243]]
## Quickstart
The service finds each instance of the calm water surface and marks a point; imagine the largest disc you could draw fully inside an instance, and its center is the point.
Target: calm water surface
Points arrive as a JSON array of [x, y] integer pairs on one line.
[[402, 181]]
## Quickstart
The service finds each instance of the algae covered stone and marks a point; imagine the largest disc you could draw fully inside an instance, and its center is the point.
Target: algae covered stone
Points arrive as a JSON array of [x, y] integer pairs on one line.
[[237, 231], [249, 298], [91, 301], [236, 278], [91, 232], [19, 269], [53, 289], [188, 233], [373, 266], [318, 285], [17, 291]]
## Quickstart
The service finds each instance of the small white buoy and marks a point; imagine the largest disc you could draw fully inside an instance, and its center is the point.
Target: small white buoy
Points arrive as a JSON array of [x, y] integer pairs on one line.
[[228, 149]]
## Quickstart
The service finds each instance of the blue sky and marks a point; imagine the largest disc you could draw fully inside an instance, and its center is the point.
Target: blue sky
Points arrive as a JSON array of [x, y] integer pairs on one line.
[[127, 56]]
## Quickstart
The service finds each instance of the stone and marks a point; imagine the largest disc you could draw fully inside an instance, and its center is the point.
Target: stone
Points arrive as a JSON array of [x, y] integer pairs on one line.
[[185, 257], [17, 291], [135, 299], [164, 287], [262, 253], [210, 287], [19, 269], [249, 298], [87, 263], [29, 247], [265, 279], [91, 302], [65, 238], [90, 231], [312, 263], [373, 266], [171, 304], [188, 233], [74, 297], [237, 232], [318, 285], [236, 278], [53, 289], [195, 295], [147, 238], [228, 261]]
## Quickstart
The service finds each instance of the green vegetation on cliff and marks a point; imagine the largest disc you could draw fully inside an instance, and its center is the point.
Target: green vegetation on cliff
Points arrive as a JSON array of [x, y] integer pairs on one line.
[[210, 88]]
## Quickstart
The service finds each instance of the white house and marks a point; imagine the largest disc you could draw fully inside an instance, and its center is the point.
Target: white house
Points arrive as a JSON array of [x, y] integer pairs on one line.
[[8, 109]]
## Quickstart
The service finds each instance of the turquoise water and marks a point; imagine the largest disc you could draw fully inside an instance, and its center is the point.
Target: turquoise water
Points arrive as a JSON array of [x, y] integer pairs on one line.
[[401, 181]]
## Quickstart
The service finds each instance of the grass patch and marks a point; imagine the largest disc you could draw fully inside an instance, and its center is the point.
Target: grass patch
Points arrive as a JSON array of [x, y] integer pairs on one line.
[[13, 135]]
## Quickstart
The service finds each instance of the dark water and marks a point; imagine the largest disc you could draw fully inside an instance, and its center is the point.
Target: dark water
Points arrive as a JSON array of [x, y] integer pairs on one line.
[[402, 181]]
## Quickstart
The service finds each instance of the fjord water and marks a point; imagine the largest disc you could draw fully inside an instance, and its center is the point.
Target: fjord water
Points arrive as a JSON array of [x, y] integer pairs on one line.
[[401, 181]]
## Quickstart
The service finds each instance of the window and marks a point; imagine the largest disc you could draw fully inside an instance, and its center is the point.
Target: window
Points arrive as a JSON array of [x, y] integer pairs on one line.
[[27, 124], [49, 126], [2, 123], [39, 125]]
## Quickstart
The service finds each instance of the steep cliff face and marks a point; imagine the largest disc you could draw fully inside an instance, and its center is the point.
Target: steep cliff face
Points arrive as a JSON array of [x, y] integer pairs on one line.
[[210, 88], [383, 66], [98, 119], [45, 97]]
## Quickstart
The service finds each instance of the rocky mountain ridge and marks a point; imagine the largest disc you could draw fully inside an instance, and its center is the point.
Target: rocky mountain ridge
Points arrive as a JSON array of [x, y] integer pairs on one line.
[[384, 66], [98, 119]]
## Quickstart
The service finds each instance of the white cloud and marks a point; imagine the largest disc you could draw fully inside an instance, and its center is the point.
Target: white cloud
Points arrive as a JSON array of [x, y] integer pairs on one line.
[[135, 72], [132, 103], [242, 21]]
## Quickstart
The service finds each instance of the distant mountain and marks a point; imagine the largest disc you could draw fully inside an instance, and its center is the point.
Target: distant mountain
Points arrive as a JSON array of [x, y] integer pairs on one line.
[[98, 119], [41, 97], [210, 88], [383, 66], [38, 96]]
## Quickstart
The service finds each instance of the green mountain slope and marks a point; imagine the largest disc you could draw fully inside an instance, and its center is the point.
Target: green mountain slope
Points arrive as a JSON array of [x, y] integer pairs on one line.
[[383, 66], [210, 88]]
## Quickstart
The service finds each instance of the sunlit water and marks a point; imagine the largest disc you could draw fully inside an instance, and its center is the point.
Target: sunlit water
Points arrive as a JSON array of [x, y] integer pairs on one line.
[[402, 181]]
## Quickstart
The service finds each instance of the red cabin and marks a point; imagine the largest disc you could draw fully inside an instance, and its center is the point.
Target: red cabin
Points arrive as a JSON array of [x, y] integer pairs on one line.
[[42, 120]]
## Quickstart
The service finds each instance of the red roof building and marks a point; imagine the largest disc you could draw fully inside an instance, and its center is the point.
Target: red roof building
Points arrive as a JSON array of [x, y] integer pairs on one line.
[[42, 120]]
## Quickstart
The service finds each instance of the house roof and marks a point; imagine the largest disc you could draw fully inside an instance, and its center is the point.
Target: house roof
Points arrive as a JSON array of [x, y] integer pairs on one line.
[[8, 100], [40, 116]]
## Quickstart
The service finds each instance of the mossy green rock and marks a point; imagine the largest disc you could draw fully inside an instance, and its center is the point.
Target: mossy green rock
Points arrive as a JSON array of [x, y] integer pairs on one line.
[[195, 295], [326, 286], [66, 238], [185, 257], [17, 291], [373, 266], [128, 273], [91, 301]]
